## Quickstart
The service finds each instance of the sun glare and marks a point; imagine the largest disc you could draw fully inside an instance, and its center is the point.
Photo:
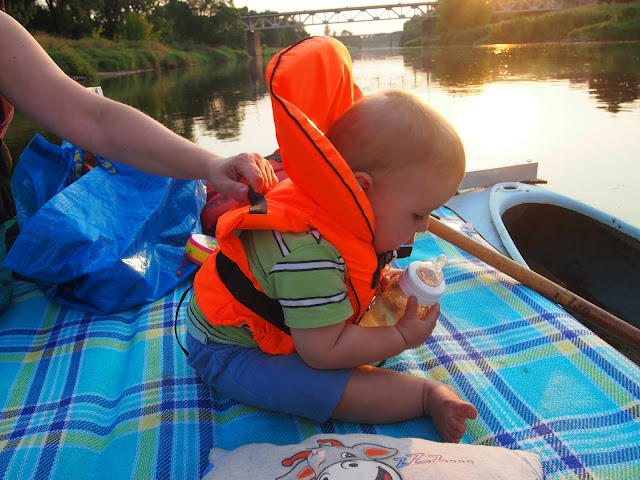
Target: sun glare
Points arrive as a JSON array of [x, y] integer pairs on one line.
[[498, 119]]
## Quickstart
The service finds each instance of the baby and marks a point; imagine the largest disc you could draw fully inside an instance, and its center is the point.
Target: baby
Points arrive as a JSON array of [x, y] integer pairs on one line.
[[273, 321]]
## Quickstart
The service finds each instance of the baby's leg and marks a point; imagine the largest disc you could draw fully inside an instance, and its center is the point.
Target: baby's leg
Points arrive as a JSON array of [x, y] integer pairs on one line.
[[377, 395]]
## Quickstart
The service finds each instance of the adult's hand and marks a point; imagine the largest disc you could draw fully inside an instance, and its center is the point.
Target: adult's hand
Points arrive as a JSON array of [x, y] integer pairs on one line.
[[225, 175]]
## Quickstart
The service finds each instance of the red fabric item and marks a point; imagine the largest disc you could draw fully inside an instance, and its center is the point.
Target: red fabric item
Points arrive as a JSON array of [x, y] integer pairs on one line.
[[218, 203], [6, 115]]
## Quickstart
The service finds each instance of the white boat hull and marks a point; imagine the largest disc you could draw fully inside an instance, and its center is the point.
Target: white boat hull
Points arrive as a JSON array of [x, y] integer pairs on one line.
[[589, 252]]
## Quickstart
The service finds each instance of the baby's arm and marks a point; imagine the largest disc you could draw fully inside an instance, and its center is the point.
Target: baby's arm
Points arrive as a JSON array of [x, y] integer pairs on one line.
[[345, 345]]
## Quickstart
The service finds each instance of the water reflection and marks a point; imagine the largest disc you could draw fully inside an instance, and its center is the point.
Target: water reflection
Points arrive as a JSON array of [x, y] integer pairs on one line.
[[190, 100], [567, 106], [213, 98], [610, 71], [187, 101]]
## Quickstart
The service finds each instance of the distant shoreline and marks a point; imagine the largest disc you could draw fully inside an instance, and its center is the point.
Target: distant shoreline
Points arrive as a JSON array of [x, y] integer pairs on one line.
[[89, 58], [119, 73]]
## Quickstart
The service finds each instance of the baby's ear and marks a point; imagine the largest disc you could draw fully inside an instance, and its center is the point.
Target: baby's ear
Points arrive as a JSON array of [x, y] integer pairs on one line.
[[364, 180]]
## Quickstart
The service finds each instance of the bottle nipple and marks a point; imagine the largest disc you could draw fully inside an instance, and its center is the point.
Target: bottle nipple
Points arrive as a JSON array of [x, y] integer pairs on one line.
[[430, 271]]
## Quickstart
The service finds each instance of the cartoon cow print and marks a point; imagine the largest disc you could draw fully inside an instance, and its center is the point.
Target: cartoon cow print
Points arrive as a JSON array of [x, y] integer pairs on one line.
[[334, 461]]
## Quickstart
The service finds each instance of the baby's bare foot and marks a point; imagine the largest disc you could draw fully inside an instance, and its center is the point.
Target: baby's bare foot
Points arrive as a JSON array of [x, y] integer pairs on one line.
[[449, 412]]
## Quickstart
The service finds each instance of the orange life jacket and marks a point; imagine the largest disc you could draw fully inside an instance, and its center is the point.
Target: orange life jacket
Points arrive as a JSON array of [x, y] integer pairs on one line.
[[311, 86]]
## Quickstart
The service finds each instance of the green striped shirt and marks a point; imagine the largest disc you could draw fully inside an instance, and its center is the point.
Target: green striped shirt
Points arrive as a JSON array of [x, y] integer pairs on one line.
[[303, 271]]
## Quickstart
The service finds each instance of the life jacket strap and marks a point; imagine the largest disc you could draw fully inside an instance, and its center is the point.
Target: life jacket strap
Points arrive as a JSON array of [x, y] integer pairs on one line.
[[248, 295], [258, 202], [383, 259], [387, 257]]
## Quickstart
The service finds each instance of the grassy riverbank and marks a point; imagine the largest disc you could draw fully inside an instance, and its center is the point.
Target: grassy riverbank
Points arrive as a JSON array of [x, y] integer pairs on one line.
[[606, 22], [88, 57]]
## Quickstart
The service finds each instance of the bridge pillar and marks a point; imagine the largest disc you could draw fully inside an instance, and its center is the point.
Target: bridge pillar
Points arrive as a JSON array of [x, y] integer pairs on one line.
[[256, 66], [253, 44]]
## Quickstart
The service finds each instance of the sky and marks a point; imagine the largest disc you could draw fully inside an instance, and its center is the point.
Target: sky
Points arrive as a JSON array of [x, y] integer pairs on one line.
[[357, 28]]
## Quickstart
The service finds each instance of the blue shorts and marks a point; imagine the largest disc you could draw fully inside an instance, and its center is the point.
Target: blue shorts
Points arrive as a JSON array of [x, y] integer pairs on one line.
[[283, 383]]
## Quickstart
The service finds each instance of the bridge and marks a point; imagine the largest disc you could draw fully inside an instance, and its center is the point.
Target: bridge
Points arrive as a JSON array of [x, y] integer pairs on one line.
[[264, 21], [303, 18]]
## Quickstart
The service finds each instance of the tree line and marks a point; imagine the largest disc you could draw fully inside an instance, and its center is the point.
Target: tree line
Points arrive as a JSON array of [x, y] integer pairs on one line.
[[470, 22], [207, 22]]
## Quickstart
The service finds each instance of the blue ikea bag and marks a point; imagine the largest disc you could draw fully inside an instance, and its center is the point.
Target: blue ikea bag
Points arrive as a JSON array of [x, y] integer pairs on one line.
[[111, 240]]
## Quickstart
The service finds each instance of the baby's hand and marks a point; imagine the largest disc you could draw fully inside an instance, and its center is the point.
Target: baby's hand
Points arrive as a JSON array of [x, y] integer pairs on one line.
[[415, 329], [388, 273]]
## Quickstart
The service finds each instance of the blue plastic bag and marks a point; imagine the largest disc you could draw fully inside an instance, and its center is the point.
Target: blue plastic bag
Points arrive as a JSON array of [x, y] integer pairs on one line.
[[111, 240]]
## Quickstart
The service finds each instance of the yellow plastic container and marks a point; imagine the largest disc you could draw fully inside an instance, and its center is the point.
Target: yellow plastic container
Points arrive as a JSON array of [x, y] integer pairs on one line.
[[199, 247]]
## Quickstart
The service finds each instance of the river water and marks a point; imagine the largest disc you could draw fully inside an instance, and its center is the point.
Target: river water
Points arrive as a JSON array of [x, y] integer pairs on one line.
[[573, 108]]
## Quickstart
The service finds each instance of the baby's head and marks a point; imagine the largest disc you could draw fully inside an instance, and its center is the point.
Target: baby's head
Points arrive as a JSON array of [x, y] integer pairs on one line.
[[406, 157]]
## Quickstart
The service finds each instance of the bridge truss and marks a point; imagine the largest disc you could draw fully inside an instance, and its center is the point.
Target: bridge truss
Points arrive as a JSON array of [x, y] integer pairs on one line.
[[264, 21], [526, 5]]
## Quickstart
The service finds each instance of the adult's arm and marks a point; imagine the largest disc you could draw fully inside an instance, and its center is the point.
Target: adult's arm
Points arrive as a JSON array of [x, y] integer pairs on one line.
[[34, 84]]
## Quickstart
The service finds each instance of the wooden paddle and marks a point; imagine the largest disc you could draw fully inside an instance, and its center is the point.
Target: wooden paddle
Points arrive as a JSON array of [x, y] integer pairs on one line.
[[568, 300]]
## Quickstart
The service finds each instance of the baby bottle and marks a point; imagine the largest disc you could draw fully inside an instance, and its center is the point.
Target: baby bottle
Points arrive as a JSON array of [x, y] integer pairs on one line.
[[423, 280]]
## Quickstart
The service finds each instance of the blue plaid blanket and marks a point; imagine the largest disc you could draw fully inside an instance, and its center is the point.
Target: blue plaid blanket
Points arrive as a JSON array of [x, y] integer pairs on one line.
[[85, 396]]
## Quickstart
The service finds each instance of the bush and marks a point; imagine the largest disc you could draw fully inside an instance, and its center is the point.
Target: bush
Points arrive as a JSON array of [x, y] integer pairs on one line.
[[175, 59], [136, 27], [463, 14], [145, 59], [414, 42], [598, 22], [72, 64], [88, 56], [621, 31]]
